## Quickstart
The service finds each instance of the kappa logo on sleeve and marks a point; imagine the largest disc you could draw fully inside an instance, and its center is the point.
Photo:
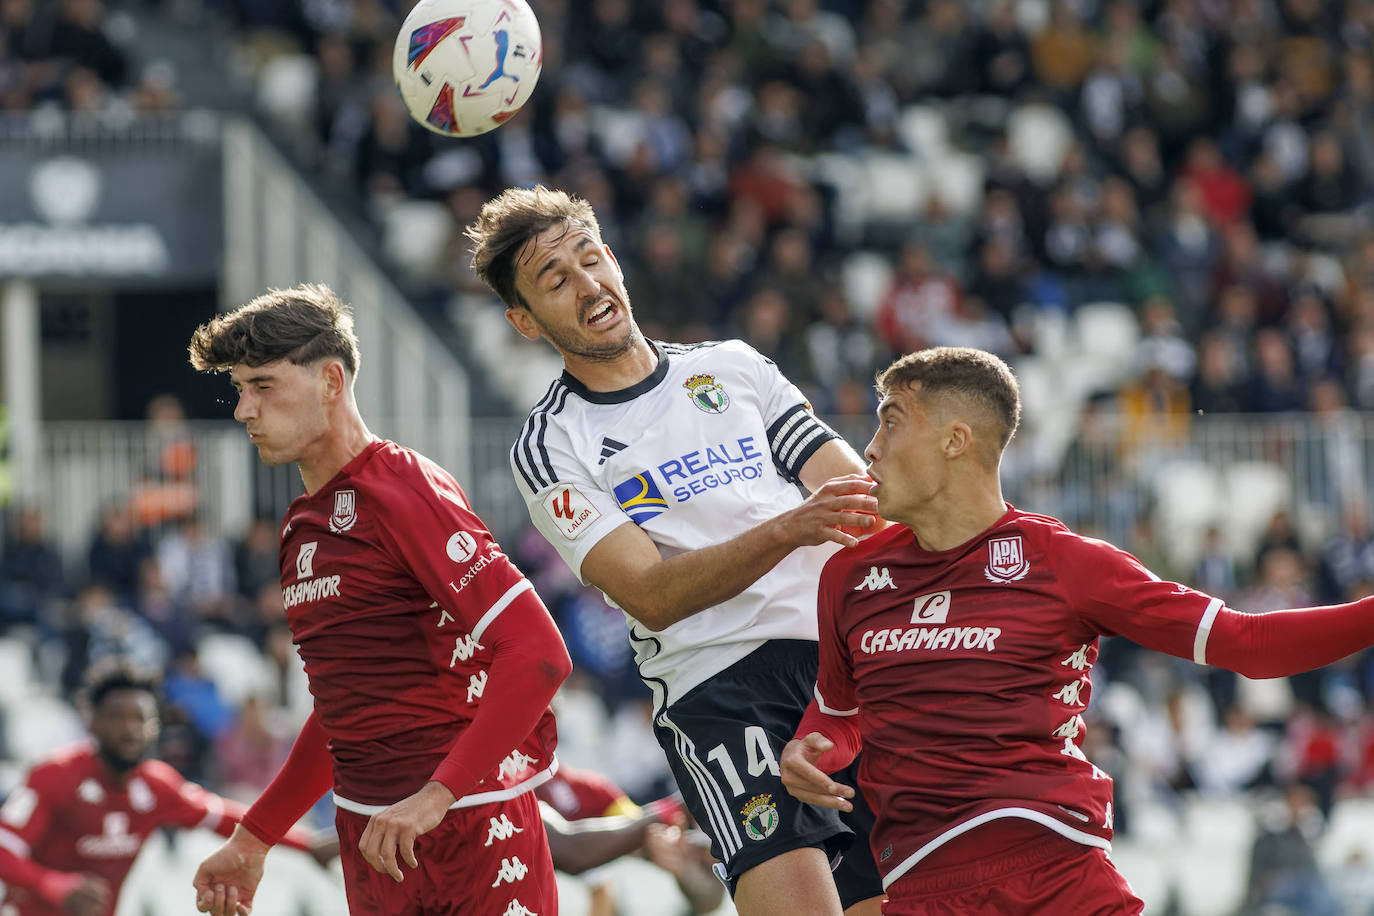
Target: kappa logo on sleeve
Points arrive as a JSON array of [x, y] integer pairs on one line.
[[572, 512]]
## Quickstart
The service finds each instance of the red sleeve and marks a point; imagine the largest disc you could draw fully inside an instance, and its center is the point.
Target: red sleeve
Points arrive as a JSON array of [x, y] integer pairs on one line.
[[187, 804], [528, 663], [1281, 643], [834, 711], [1114, 595], [307, 774], [24, 820], [448, 549]]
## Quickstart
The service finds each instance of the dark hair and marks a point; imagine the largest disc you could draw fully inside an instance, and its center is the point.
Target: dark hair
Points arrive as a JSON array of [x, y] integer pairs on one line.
[[978, 375], [511, 219], [116, 674], [302, 324]]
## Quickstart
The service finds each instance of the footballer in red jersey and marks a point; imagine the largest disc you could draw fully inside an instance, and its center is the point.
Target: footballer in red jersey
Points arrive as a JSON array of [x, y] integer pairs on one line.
[[430, 658], [71, 832], [955, 649]]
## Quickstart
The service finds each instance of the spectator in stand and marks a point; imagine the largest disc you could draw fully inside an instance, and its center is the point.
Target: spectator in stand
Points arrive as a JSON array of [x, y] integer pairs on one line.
[[1283, 862], [117, 552], [30, 573], [920, 298]]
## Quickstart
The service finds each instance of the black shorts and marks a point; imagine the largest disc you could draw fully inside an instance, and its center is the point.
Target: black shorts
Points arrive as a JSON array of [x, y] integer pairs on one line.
[[723, 741]]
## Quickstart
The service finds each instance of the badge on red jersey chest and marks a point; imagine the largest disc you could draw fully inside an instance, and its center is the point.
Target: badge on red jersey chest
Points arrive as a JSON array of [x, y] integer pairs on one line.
[[345, 512], [1006, 559]]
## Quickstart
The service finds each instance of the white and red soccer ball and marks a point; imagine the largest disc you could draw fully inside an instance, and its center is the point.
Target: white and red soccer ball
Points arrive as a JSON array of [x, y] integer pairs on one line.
[[463, 67]]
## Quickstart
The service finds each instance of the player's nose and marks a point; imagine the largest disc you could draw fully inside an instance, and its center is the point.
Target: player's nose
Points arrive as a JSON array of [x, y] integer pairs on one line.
[[244, 409]]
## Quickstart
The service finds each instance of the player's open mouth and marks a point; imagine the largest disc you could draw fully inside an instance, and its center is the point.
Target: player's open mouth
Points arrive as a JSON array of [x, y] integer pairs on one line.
[[604, 313]]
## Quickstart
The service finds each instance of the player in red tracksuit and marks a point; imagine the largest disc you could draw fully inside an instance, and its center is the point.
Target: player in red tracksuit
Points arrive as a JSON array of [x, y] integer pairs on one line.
[[71, 832], [956, 646], [431, 659]]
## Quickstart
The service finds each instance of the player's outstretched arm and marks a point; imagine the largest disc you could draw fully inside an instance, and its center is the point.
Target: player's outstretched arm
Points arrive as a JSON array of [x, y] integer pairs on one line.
[[659, 592], [808, 782], [226, 881]]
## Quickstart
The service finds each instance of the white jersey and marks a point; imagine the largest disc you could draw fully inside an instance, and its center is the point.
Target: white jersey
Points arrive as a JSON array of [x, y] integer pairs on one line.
[[706, 447]]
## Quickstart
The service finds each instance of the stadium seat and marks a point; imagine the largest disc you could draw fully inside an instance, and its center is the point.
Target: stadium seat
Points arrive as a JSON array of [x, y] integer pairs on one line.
[[925, 131], [236, 667], [16, 661], [957, 180], [866, 276], [1189, 495], [286, 87], [40, 725], [1039, 135], [1255, 490], [894, 187], [415, 235]]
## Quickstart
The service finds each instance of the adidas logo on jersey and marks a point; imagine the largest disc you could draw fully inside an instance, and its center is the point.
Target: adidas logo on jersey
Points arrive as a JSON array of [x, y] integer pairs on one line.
[[875, 580], [609, 447]]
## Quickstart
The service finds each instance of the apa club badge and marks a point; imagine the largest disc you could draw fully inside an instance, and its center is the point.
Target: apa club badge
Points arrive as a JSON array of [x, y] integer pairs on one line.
[[1006, 560], [707, 394], [345, 511], [760, 817]]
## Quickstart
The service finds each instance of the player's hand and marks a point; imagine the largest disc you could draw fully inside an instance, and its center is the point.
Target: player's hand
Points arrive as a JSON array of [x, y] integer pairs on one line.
[[90, 897], [805, 781], [324, 847], [666, 847], [393, 830], [841, 511], [226, 881]]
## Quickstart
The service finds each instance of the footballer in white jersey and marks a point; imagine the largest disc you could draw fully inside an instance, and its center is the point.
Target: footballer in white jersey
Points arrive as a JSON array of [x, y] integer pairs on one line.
[[706, 447]]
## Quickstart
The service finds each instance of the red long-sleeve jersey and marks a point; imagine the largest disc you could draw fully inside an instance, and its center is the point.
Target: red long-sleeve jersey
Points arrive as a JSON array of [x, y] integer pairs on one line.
[[75, 816], [419, 638], [965, 673]]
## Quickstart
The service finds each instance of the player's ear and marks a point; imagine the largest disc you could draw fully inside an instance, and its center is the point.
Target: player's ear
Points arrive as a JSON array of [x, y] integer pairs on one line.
[[335, 377], [958, 439], [523, 322]]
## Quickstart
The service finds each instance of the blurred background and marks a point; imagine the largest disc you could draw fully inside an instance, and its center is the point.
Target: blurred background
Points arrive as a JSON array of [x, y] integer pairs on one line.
[[1161, 213]]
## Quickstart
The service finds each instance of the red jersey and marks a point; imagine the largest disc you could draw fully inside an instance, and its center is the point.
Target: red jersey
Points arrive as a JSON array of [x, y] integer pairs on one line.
[[74, 816], [578, 794], [389, 581], [967, 673]]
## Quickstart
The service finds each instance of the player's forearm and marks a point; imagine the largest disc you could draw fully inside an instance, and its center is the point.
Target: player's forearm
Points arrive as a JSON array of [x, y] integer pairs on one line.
[[688, 583], [1281, 643], [49, 883], [583, 844], [233, 815], [529, 662], [306, 775], [843, 732]]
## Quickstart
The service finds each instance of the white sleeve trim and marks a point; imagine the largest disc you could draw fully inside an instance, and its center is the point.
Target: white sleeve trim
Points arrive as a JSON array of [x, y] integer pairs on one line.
[[501, 604], [820, 702], [1204, 629], [14, 843]]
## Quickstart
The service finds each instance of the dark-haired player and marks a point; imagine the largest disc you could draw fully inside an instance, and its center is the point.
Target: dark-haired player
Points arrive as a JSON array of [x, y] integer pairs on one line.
[[71, 832], [956, 648], [431, 659]]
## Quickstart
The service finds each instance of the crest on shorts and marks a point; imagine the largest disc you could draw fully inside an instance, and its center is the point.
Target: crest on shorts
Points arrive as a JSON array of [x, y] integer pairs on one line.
[[345, 511], [707, 394], [760, 817], [1006, 560]]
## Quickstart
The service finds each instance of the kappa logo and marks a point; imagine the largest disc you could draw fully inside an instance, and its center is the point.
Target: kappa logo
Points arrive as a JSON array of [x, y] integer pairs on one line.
[[876, 579], [516, 908], [1006, 560], [345, 511], [477, 685], [305, 560], [572, 512], [501, 829], [515, 764], [463, 648], [512, 870]]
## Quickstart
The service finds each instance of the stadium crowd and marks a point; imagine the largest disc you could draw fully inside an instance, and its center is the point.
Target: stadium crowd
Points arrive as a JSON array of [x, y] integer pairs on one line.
[[1208, 164]]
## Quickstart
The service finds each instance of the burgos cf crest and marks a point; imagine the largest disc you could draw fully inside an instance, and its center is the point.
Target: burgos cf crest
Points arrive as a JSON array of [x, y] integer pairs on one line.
[[345, 511], [640, 497], [760, 817], [1006, 560], [706, 394]]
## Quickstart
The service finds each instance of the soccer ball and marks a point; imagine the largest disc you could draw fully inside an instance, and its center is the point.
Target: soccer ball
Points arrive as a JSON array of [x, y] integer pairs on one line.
[[463, 67]]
